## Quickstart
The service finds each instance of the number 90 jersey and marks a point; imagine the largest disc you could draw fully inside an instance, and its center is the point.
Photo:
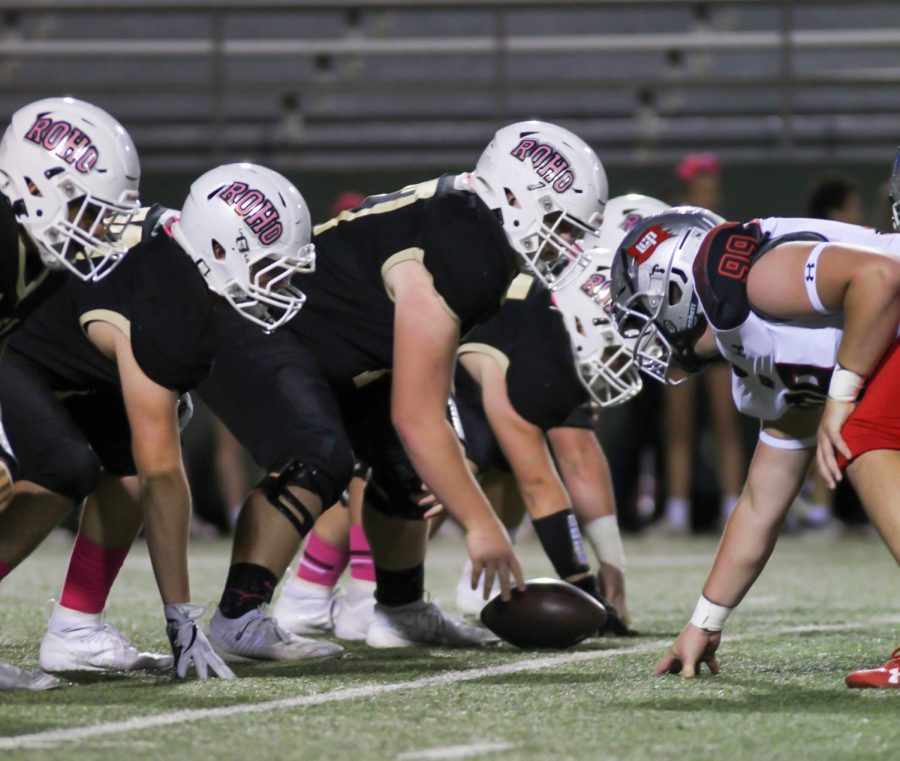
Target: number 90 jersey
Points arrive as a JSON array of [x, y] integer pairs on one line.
[[775, 364]]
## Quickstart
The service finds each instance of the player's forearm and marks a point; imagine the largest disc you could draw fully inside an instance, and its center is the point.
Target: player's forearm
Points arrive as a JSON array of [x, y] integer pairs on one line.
[[166, 504], [871, 312], [437, 457], [746, 546]]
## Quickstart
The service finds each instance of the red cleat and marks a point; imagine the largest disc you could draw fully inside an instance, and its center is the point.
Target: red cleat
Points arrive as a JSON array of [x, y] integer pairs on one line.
[[884, 677]]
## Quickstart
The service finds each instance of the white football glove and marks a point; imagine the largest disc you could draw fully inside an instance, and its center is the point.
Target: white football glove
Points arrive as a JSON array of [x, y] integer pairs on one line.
[[189, 644]]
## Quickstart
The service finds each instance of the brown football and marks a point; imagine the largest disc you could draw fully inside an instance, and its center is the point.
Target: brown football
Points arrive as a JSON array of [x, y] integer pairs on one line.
[[549, 613]]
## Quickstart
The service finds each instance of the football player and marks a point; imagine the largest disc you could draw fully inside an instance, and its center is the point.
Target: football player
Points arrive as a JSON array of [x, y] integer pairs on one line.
[[91, 380], [368, 364], [518, 387], [66, 166], [803, 310]]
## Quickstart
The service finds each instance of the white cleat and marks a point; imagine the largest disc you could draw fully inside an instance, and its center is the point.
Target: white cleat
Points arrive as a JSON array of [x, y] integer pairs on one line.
[[83, 642], [258, 637], [422, 623], [353, 611], [470, 601], [304, 608], [14, 678]]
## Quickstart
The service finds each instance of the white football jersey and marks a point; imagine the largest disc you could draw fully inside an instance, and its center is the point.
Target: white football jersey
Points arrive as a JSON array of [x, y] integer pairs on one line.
[[782, 364]]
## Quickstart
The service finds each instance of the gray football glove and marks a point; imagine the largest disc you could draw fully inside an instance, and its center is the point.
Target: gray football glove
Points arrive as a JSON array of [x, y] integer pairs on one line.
[[189, 644]]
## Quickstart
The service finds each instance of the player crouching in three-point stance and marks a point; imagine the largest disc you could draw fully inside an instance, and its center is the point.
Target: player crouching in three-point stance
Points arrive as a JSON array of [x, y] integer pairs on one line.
[[804, 311], [366, 369], [92, 378], [65, 167]]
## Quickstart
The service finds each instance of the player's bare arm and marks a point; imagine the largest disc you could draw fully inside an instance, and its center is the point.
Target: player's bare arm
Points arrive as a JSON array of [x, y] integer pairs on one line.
[[865, 286], [587, 478], [425, 340], [523, 443], [156, 446], [774, 479]]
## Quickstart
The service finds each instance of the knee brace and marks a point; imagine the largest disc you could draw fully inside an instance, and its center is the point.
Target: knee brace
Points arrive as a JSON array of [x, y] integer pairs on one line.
[[276, 489]]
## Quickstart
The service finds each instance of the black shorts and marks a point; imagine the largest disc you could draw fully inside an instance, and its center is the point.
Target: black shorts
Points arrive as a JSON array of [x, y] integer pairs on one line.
[[62, 436], [273, 395], [482, 447]]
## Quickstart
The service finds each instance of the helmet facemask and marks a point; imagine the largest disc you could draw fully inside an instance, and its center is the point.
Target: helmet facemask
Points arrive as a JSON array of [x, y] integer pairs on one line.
[[87, 240], [270, 299]]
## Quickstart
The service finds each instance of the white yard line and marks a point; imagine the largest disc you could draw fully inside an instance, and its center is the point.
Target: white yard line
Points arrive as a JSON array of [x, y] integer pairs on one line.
[[53, 737], [454, 751]]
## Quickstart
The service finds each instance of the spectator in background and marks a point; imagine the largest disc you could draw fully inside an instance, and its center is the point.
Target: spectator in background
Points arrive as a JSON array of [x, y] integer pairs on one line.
[[699, 177], [836, 198]]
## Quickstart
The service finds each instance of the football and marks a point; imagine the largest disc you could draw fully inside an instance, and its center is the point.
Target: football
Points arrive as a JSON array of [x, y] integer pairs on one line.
[[549, 613]]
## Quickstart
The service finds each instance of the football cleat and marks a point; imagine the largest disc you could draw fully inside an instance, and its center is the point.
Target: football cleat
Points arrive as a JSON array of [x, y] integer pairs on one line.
[[883, 677], [353, 611], [258, 637], [14, 678], [94, 646], [304, 608], [422, 623], [470, 601]]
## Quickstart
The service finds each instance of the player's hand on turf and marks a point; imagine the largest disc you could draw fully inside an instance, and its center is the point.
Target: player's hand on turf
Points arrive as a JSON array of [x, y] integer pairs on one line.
[[693, 647], [491, 551], [830, 441], [189, 644]]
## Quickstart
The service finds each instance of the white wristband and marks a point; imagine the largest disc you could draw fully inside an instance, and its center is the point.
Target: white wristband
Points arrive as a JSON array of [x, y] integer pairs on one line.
[[604, 535], [845, 384], [709, 616]]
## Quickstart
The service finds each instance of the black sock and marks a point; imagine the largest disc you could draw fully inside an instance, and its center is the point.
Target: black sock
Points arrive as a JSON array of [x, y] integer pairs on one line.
[[248, 586], [561, 539], [395, 588]]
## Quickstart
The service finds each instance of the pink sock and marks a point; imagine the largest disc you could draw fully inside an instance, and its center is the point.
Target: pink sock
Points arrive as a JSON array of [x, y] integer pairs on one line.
[[5, 568], [361, 566], [322, 563], [92, 570]]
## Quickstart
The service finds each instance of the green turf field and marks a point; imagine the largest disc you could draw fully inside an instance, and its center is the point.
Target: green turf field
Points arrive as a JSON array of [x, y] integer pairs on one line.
[[822, 608]]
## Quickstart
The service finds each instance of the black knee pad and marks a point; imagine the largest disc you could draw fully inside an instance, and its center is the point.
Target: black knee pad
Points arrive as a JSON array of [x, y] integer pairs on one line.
[[71, 470], [276, 489]]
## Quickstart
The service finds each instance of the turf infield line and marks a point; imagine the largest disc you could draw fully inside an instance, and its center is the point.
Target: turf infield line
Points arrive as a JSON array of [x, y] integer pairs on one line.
[[54, 737]]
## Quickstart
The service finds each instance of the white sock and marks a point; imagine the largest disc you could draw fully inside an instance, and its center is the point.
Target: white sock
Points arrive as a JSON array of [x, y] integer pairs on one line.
[[66, 618]]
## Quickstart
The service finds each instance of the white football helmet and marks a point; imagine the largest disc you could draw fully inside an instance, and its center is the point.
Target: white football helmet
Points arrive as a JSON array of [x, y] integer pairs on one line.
[[655, 302], [895, 192], [248, 229], [549, 189], [604, 358], [67, 167]]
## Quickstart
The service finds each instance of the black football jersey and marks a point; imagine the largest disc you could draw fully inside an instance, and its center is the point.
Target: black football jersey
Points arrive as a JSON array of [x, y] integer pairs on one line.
[[348, 317], [156, 295], [24, 280], [528, 337]]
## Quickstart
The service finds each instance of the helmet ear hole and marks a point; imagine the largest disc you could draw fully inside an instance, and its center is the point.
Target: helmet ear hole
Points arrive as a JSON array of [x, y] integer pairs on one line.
[[675, 293], [511, 198], [218, 249]]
